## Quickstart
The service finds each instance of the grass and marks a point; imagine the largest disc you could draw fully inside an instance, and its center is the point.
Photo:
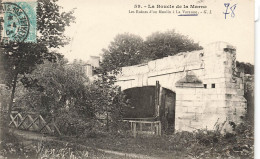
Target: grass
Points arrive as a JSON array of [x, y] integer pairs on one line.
[[13, 147], [200, 144]]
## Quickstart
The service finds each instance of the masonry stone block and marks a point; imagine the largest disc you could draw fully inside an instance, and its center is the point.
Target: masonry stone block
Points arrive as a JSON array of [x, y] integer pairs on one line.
[[195, 108]]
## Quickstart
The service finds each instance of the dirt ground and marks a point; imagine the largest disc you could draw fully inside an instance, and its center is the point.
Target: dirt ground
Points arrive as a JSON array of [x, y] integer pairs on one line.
[[28, 138], [178, 146]]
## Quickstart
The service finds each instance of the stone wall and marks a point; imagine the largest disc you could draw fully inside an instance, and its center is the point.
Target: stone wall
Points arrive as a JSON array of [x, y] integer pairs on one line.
[[209, 90]]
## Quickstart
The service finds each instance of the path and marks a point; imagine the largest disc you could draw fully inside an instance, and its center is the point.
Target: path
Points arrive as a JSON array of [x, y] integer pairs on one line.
[[41, 137]]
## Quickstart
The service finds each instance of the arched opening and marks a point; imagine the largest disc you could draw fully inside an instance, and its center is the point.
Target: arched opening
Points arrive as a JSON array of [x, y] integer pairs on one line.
[[143, 105]]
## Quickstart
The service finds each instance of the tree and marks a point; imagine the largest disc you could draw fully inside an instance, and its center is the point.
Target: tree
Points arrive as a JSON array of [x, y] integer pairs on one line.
[[58, 85], [58, 94], [128, 49], [66, 94], [163, 44], [124, 50], [22, 58], [247, 67]]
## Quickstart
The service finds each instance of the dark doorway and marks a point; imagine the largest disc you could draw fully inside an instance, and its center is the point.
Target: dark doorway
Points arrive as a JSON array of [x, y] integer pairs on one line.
[[167, 109], [142, 102], [142, 105]]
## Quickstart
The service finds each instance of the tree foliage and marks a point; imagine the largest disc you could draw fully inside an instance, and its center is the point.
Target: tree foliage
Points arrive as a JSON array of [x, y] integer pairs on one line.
[[247, 67], [163, 44], [58, 85], [64, 91], [129, 49], [124, 50], [51, 24], [22, 58]]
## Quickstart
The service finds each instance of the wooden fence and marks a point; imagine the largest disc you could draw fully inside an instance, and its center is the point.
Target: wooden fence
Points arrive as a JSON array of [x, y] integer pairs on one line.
[[154, 127], [33, 122]]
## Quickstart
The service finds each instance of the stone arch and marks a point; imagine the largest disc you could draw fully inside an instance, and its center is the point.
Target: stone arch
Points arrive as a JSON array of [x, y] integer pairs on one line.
[[143, 105]]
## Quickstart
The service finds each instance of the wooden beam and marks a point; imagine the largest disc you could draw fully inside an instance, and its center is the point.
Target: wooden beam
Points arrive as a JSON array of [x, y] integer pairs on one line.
[[56, 128], [33, 123], [157, 99], [22, 121], [45, 124], [13, 120], [160, 128], [134, 132]]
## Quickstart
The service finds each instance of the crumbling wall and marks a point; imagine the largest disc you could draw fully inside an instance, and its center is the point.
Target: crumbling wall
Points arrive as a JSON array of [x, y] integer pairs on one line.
[[208, 90], [223, 97]]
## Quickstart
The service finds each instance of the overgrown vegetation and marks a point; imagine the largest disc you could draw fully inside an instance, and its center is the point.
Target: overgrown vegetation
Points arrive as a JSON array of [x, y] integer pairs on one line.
[[90, 111], [129, 49], [246, 67], [12, 146], [197, 144], [20, 58], [62, 91]]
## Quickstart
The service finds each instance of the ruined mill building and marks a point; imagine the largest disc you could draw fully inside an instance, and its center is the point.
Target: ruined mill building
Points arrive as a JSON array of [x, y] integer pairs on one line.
[[188, 91]]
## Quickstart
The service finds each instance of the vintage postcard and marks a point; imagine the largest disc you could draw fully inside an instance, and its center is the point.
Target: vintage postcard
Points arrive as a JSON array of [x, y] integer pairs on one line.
[[127, 79]]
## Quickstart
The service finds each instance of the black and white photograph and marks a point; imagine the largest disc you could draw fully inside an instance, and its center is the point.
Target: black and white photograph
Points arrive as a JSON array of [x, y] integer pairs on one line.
[[127, 79]]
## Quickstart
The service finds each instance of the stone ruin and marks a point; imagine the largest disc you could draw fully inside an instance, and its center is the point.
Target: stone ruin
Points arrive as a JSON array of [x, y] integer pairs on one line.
[[195, 90]]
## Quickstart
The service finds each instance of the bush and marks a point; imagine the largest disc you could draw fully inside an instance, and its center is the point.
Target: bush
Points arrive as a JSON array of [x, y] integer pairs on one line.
[[239, 144], [67, 95]]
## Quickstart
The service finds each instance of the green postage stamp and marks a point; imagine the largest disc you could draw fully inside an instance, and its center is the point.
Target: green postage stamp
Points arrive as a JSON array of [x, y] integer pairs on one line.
[[19, 21]]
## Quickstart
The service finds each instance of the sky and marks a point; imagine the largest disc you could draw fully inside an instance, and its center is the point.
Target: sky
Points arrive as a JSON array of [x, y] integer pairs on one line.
[[99, 21]]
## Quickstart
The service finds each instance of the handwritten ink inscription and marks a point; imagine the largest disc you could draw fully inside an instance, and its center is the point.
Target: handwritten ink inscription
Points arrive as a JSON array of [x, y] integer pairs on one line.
[[230, 10]]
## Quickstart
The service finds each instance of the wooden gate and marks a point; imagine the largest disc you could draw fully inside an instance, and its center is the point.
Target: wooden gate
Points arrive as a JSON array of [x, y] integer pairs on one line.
[[33, 122]]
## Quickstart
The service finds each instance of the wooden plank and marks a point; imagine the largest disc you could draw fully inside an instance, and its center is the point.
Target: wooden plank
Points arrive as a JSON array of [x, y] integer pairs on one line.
[[20, 116], [144, 122], [157, 129], [134, 132], [28, 121], [45, 124], [152, 127], [13, 120], [47, 127], [160, 128], [22, 122], [33, 123], [21, 119], [56, 128], [157, 99], [17, 121], [151, 119]]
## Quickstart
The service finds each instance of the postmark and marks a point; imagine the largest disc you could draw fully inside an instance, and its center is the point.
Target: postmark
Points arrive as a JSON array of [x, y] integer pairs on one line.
[[16, 22], [19, 22]]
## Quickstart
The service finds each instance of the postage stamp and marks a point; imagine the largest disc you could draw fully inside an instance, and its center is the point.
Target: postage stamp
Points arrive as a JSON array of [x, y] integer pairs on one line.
[[19, 21]]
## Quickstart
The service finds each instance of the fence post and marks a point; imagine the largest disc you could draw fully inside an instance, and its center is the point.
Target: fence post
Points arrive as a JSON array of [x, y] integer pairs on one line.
[[134, 124], [141, 126], [160, 128]]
